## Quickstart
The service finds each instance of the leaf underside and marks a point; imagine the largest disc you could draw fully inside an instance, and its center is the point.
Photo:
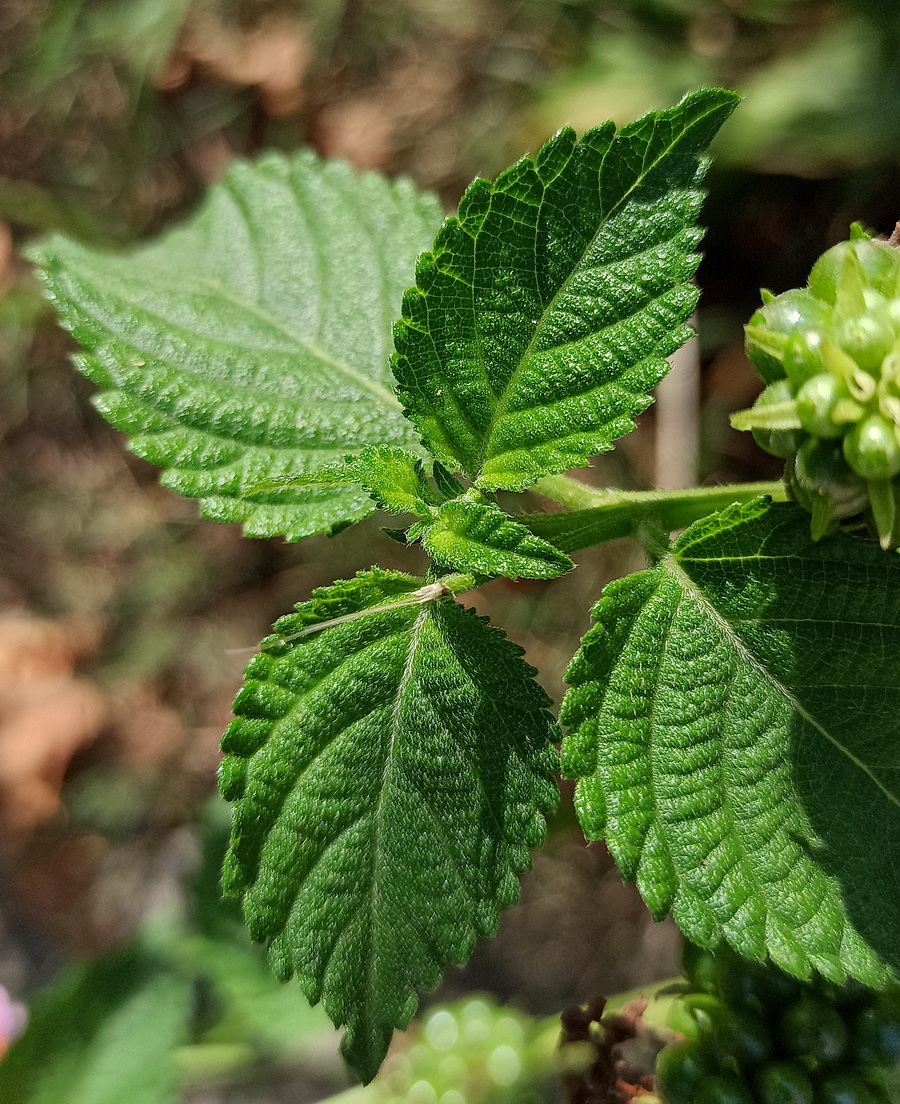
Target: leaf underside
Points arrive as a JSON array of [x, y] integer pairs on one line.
[[736, 736], [541, 318], [390, 775], [252, 343]]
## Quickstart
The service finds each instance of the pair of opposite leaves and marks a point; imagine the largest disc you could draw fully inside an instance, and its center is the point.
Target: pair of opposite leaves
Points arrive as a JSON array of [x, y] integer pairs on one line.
[[251, 345]]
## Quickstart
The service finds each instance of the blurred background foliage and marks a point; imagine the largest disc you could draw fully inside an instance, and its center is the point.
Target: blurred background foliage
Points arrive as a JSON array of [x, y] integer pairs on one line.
[[123, 617]]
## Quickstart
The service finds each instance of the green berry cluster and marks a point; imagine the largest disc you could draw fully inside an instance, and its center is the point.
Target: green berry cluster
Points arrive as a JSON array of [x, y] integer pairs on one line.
[[830, 356], [470, 1052], [754, 1035]]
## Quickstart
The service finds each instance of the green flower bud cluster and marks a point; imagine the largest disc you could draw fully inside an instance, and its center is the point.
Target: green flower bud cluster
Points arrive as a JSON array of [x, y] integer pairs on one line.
[[754, 1035], [470, 1052], [830, 356]]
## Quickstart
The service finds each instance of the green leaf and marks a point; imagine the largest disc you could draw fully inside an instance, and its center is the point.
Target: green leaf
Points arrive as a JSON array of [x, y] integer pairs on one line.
[[255, 1007], [542, 317], [390, 774], [447, 483], [736, 733], [478, 537], [107, 1032], [394, 478], [252, 343]]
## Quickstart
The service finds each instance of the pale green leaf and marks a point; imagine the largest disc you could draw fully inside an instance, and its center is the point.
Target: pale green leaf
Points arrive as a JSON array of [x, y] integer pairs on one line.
[[474, 536], [390, 774], [106, 1032], [736, 733], [255, 1007], [252, 343], [542, 317], [394, 478]]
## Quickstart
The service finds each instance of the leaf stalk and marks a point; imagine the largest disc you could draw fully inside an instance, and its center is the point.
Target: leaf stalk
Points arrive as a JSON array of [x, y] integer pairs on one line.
[[597, 515]]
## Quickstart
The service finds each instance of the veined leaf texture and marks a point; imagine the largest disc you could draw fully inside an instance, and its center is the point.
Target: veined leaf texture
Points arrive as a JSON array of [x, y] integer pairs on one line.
[[542, 316], [252, 343], [736, 736], [478, 537], [390, 775]]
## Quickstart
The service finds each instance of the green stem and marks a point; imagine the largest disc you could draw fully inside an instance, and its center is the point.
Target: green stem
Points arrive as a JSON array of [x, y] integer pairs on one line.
[[597, 515], [571, 492]]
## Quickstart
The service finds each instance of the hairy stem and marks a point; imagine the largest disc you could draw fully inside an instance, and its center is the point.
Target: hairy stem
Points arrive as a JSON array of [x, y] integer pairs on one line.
[[597, 515]]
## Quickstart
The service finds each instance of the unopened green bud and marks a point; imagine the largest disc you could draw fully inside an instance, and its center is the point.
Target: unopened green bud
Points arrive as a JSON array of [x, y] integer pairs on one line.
[[879, 261], [723, 1088], [680, 1068], [816, 402], [784, 1083], [775, 321], [781, 436], [839, 364], [831, 356], [871, 448], [889, 311], [782, 443], [802, 356], [868, 339], [826, 480]]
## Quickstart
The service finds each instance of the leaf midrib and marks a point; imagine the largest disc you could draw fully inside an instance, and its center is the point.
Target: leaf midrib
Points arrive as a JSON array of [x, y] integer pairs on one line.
[[406, 679], [503, 400], [670, 564], [385, 396]]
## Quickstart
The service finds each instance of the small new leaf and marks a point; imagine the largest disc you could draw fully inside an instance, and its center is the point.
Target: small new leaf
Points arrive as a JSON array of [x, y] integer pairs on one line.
[[390, 775], [394, 478], [251, 344], [397, 481], [478, 537], [543, 315], [742, 773]]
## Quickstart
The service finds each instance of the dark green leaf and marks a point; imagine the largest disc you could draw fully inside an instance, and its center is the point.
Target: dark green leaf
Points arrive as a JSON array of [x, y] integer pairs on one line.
[[390, 774], [447, 484], [398, 535], [542, 317], [251, 344], [736, 733]]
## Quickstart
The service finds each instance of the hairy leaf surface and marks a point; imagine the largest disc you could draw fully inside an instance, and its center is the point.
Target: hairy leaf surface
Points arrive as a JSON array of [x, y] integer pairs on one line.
[[394, 477], [478, 537], [252, 343], [736, 733], [390, 774], [396, 480], [542, 317]]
